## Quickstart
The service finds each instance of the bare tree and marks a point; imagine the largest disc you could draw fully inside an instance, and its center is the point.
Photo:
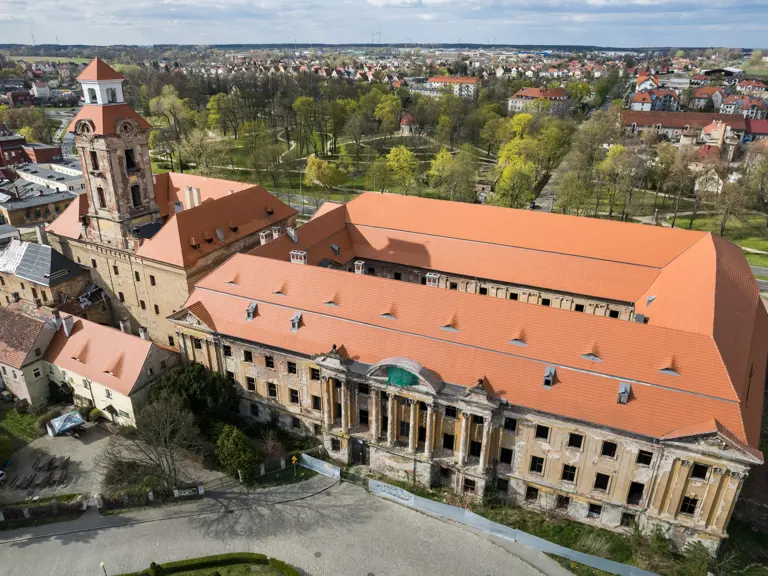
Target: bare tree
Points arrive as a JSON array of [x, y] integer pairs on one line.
[[272, 446], [165, 429]]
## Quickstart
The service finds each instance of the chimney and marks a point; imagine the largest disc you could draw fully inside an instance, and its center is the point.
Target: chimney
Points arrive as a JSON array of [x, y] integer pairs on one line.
[[68, 322], [143, 333], [42, 237], [264, 237], [188, 194], [57, 319], [125, 326], [359, 266], [275, 232], [178, 207], [298, 257], [230, 192], [196, 195], [293, 234]]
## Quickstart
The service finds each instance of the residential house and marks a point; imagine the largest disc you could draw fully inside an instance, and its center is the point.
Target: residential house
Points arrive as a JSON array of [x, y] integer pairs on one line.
[[43, 153], [752, 87], [557, 97], [65, 176], [40, 89], [672, 125], [11, 146], [646, 82], [105, 368], [707, 97], [465, 87], [23, 341], [641, 102], [24, 203], [19, 99], [757, 129], [748, 106]]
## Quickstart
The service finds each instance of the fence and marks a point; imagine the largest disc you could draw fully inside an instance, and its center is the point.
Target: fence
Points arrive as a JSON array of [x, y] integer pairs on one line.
[[320, 466], [473, 520]]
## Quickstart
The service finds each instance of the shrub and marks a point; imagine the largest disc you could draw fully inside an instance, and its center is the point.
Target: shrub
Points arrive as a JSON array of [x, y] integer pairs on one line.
[[38, 408], [94, 415], [45, 418], [593, 543], [234, 452]]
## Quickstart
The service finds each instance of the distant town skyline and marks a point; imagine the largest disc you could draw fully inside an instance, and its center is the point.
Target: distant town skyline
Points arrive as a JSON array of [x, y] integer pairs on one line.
[[616, 23]]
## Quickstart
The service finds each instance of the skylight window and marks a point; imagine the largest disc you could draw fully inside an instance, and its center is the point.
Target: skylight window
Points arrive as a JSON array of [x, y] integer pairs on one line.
[[592, 357], [670, 370], [517, 342], [388, 315], [650, 299]]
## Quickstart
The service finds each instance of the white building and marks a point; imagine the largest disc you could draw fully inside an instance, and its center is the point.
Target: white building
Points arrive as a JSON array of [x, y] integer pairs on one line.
[[64, 176]]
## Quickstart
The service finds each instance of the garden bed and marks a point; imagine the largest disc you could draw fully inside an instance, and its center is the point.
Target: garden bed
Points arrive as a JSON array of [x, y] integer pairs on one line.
[[234, 564]]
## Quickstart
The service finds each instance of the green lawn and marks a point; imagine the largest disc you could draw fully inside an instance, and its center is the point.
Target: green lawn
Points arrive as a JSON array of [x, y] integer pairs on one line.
[[750, 233], [16, 430], [236, 570], [50, 59], [285, 476]]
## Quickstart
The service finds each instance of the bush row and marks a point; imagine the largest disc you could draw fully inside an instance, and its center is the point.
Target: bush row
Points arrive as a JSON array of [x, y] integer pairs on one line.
[[215, 562]]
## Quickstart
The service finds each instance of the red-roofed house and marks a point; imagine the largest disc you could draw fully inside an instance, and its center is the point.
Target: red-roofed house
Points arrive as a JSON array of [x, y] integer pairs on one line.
[[147, 238], [707, 96], [105, 368], [748, 106], [557, 97], [466, 87]]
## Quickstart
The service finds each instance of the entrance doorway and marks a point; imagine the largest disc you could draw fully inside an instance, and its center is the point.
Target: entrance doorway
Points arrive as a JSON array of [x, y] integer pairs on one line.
[[360, 453]]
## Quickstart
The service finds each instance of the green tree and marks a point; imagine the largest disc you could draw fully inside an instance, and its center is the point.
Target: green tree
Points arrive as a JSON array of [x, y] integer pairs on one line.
[[578, 91], [388, 113], [403, 165], [731, 203], [454, 176], [515, 185], [444, 133], [161, 140], [209, 395], [201, 150], [378, 177], [235, 453], [3, 113], [573, 197], [224, 114], [323, 173], [175, 114]]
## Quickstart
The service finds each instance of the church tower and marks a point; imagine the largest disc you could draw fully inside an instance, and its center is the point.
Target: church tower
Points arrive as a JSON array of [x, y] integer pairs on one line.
[[112, 141]]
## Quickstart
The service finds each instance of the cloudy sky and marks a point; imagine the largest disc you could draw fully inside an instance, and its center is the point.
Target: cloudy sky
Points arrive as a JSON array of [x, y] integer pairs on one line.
[[734, 23]]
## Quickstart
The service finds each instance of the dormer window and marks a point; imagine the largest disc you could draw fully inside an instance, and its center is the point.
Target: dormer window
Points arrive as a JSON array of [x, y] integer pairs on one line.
[[549, 376], [250, 312], [433, 279], [296, 322], [625, 390]]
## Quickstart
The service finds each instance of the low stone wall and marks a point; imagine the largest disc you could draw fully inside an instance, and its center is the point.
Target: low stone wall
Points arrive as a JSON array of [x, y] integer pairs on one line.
[[136, 498], [47, 509]]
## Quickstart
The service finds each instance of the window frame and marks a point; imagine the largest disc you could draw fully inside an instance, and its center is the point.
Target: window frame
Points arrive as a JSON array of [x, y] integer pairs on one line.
[[600, 475], [513, 428], [571, 436], [571, 471], [606, 444], [686, 503], [536, 462], [294, 396], [542, 427]]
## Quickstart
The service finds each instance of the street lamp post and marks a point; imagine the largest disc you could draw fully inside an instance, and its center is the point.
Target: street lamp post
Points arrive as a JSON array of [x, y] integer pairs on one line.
[[104, 568]]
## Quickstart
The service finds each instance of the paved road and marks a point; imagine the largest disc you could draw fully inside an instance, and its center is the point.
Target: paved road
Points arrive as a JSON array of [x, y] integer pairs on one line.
[[340, 531]]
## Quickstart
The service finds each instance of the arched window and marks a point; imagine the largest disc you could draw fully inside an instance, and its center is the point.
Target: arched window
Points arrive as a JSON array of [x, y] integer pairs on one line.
[[111, 95], [92, 96], [102, 198]]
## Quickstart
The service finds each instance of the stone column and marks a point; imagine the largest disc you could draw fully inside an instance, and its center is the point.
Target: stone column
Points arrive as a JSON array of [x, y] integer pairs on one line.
[[413, 430], [486, 446], [465, 417], [374, 419], [428, 438], [328, 416], [344, 407], [391, 430]]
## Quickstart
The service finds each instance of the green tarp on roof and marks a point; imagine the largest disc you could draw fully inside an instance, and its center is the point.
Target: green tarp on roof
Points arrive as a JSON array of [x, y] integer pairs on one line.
[[401, 377]]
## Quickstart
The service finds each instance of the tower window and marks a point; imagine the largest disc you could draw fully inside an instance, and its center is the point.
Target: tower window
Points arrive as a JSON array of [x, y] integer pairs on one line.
[[92, 96], [130, 160], [102, 199], [111, 95], [136, 195], [94, 160]]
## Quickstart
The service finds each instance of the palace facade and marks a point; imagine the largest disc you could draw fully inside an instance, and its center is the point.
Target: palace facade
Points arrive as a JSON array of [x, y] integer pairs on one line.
[[612, 372]]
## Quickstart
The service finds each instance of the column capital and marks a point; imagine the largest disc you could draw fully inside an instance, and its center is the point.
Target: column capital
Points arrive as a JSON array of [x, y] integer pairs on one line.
[[390, 394], [686, 463]]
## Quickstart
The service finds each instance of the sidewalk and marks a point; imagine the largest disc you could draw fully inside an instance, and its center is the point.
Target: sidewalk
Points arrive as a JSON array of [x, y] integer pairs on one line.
[[225, 499]]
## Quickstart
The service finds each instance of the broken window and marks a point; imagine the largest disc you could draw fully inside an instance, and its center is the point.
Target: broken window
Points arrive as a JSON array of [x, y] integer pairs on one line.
[[130, 160], [506, 456], [688, 506], [317, 403], [575, 441], [531, 493], [269, 362], [635, 493], [513, 296], [475, 448], [450, 411], [627, 519], [613, 314], [579, 308], [469, 485], [136, 195], [609, 449], [595, 510], [314, 374], [363, 417], [502, 485], [294, 396], [545, 301], [448, 441], [483, 291], [537, 465], [102, 199], [227, 351], [231, 376], [644, 458], [250, 383], [335, 444], [542, 432], [510, 424], [700, 471], [602, 481], [272, 390], [569, 473], [291, 367], [405, 428], [247, 356], [563, 502]]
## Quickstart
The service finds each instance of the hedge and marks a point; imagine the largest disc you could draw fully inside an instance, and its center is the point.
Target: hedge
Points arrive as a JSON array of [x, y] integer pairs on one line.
[[217, 561]]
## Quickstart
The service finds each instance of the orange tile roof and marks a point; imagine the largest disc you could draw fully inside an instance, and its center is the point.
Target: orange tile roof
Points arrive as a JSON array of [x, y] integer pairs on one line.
[[246, 209], [641, 97], [68, 224], [680, 119], [100, 353], [584, 391], [325, 207], [98, 70], [705, 320], [106, 118], [454, 80], [18, 334]]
